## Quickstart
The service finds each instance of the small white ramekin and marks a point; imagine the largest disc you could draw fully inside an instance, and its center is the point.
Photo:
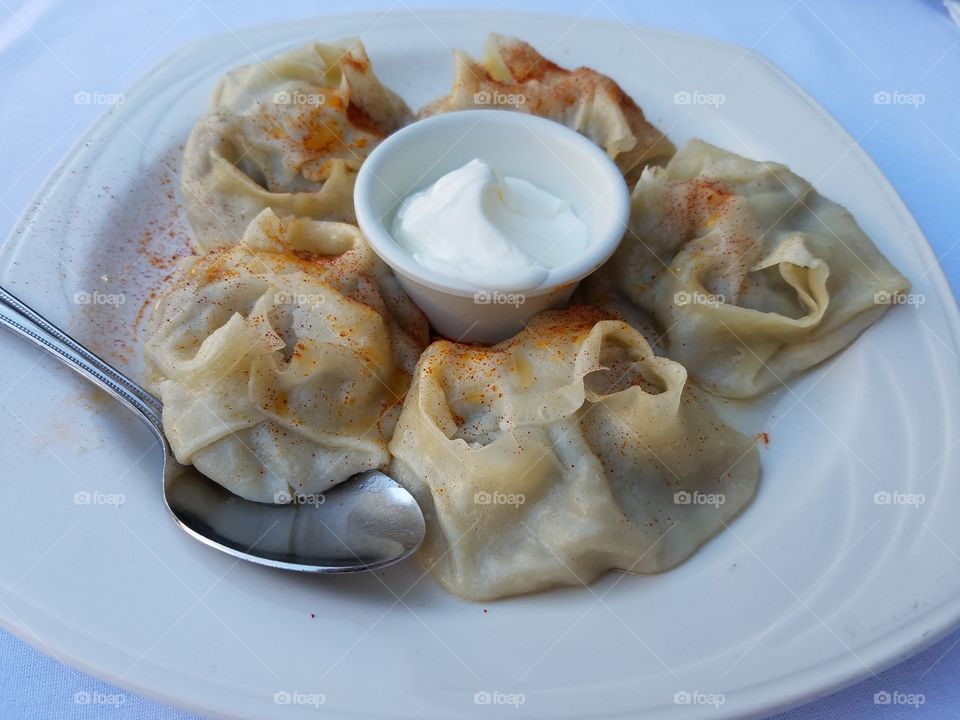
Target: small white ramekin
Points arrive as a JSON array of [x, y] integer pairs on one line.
[[543, 152]]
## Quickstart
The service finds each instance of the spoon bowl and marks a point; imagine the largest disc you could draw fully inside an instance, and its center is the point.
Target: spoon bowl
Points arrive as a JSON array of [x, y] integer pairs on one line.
[[365, 523]]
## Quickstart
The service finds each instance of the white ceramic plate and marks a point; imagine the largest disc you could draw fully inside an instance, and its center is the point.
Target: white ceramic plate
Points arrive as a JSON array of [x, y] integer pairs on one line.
[[817, 584]]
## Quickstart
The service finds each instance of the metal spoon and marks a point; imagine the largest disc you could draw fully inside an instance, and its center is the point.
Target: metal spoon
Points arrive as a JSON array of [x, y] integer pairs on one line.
[[365, 523]]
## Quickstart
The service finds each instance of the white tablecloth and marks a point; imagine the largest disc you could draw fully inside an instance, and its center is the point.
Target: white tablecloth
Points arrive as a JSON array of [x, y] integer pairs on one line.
[[841, 52]]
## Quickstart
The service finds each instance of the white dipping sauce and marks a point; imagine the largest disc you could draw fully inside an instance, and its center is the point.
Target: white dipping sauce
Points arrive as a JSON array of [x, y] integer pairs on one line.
[[490, 231]]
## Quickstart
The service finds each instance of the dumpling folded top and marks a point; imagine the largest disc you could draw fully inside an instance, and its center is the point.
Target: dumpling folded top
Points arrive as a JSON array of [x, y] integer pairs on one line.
[[290, 134], [563, 452], [282, 362], [514, 76], [753, 276]]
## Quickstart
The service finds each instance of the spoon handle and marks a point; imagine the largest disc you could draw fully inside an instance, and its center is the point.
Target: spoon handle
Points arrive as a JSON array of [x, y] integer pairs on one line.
[[16, 315]]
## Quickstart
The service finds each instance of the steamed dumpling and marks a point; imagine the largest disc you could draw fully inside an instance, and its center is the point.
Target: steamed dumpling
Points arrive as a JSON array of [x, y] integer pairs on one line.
[[290, 134], [752, 275], [514, 76], [282, 362], [561, 453]]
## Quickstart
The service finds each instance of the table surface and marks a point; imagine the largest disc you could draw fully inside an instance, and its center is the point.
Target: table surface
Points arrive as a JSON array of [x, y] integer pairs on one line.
[[840, 52]]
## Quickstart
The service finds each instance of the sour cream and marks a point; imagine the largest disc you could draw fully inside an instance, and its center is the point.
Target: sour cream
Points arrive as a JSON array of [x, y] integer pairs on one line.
[[487, 230]]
